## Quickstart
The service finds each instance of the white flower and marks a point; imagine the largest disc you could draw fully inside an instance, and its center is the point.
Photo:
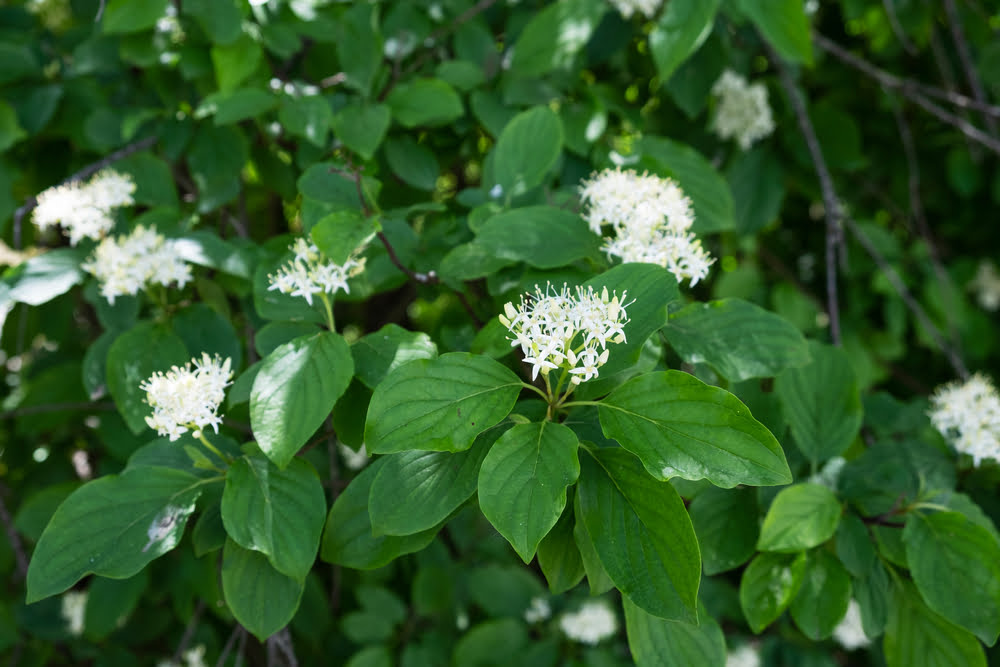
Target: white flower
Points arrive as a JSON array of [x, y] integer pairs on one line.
[[193, 657], [592, 623], [628, 7], [84, 209], [184, 398], [126, 264], [987, 286], [73, 611], [354, 460], [651, 218], [565, 330], [538, 611], [849, 633], [312, 273], [743, 112], [968, 415], [745, 656]]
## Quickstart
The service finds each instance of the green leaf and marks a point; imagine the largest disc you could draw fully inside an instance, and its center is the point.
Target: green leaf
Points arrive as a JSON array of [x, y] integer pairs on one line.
[[109, 601], [203, 329], [955, 564], [277, 512], [800, 517], [651, 640], [379, 353], [371, 656], [757, 183], [11, 131], [821, 403], [874, 595], [339, 234], [554, 36], [135, 355], [642, 534], [229, 107], [681, 427], [439, 404], [917, 637], [486, 642], [44, 277], [220, 19], [651, 286], [414, 163], [362, 128], [523, 481], [823, 598], [310, 117], [526, 150], [295, 390], [415, 491], [709, 192], [235, 62], [425, 102], [854, 545], [216, 159], [348, 539], [768, 585], [359, 46], [19, 61], [785, 25], [262, 599], [125, 16], [113, 527], [542, 236], [737, 338], [597, 577], [725, 521], [559, 557], [681, 28]]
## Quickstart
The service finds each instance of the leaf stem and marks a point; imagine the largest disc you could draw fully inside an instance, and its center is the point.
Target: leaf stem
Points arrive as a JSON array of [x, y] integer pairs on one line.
[[329, 311], [212, 448]]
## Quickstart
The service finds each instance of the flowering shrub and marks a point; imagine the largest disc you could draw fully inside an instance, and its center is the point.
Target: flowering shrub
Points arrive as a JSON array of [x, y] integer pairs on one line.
[[499, 333]]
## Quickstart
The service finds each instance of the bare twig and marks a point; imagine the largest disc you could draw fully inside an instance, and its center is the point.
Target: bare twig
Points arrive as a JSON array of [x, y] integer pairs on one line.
[[911, 303], [188, 632], [100, 12], [238, 631], [832, 209], [890, 11], [962, 47], [917, 211], [87, 171], [281, 642], [20, 556]]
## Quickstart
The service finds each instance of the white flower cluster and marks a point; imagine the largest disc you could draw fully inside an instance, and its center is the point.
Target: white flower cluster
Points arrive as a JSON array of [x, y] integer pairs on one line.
[[74, 610], [546, 324], [312, 273], [592, 623], [193, 657], [126, 264], [743, 112], [186, 398], [968, 415], [745, 656], [354, 460], [987, 286], [628, 7], [651, 218], [538, 611], [84, 209], [849, 633]]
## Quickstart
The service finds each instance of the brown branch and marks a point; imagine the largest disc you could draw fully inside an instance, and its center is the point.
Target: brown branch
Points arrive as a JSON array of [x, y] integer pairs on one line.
[[832, 212], [20, 556], [87, 171], [281, 642], [238, 631], [962, 47], [188, 632], [890, 11]]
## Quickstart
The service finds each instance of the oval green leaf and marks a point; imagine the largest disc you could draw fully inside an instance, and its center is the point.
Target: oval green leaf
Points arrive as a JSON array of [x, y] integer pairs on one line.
[[278, 512], [523, 480], [379, 353], [823, 598], [262, 599], [917, 637], [295, 390], [641, 533], [527, 149], [725, 521], [542, 236], [681, 427], [768, 585], [425, 102], [800, 517], [439, 404], [652, 639], [681, 28]]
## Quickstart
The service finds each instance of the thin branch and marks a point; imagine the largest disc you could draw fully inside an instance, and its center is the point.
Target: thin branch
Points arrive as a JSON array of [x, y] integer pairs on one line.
[[238, 631], [832, 210], [914, 306], [188, 632], [281, 642], [20, 556], [100, 12], [962, 46], [87, 171], [905, 86], [890, 11]]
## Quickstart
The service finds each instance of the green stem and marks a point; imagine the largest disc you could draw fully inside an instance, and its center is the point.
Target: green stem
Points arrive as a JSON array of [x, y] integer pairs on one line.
[[535, 389], [575, 403], [329, 311], [212, 448]]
